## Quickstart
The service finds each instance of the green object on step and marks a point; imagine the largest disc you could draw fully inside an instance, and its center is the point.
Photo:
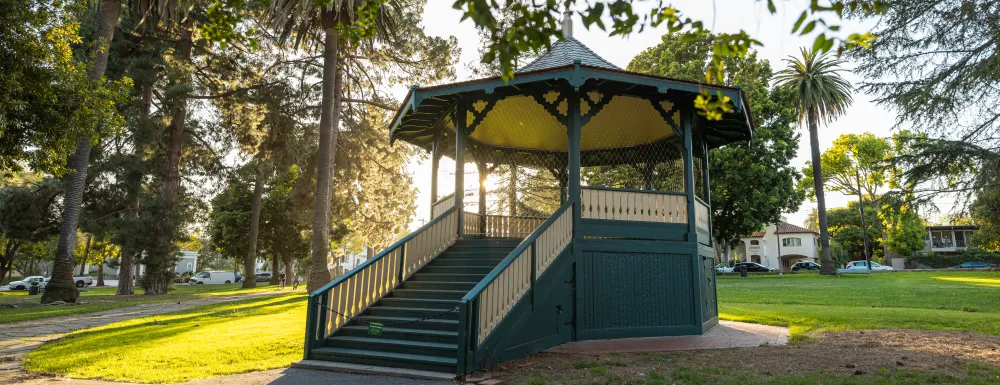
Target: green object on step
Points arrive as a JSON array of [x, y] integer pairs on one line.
[[375, 328]]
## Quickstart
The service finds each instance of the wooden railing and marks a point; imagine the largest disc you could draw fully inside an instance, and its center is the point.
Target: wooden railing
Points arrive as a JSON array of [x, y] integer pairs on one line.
[[494, 297], [333, 305], [500, 226], [633, 205], [701, 216], [442, 205]]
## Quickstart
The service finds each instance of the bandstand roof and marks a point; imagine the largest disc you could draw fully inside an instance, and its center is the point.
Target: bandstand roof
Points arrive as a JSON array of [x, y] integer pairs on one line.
[[529, 113]]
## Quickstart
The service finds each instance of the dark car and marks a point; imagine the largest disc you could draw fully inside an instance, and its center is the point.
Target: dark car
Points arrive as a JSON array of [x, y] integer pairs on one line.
[[262, 277], [753, 267], [805, 265], [974, 265]]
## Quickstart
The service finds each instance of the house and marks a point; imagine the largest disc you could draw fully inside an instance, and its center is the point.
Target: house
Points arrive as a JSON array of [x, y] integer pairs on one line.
[[780, 246], [950, 239]]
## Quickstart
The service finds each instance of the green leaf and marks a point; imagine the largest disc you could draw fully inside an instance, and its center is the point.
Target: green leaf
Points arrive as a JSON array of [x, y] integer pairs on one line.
[[809, 27], [798, 23], [770, 6]]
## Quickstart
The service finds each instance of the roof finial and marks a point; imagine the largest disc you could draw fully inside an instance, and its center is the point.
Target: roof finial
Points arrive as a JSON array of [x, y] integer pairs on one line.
[[567, 24]]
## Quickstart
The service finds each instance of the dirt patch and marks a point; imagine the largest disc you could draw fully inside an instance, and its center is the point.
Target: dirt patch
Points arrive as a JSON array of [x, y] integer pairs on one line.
[[844, 353]]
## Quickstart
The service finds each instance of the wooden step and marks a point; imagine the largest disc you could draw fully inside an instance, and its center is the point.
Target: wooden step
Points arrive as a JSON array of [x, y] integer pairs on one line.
[[419, 302], [425, 335], [383, 344], [412, 323], [456, 270], [439, 261], [411, 312], [428, 293], [447, 277], [440, 285], [364, 357]]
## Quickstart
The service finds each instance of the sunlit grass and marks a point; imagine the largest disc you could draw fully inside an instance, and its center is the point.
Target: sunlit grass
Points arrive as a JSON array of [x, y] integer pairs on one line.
[[101, 299], [962, 301], [203, 342]]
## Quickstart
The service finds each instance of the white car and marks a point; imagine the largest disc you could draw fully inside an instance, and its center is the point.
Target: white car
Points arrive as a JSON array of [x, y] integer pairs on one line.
[[26, 282], [213, 277], [723, 268], [861, 267]]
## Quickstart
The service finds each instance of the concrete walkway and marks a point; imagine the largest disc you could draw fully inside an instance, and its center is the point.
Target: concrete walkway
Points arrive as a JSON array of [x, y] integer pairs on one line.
[[728, 334]]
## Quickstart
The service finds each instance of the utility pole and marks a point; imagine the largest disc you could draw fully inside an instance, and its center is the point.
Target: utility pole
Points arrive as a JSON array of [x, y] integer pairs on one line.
[[864, 228]]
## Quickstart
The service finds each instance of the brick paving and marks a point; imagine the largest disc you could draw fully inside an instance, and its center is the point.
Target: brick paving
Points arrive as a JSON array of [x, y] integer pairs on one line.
[[727, 335]]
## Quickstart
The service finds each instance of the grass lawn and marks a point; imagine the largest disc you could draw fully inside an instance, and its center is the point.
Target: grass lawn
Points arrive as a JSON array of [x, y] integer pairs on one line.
[[100, 299], [267, 333], [962, 301], [202, 342]]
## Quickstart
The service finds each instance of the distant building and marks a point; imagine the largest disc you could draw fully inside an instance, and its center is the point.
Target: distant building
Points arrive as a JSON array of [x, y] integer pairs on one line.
[[780, 246], [947, 239]]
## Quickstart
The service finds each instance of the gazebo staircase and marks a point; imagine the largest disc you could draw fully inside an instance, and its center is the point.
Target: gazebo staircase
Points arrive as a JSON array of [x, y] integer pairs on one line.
[[419, 317]]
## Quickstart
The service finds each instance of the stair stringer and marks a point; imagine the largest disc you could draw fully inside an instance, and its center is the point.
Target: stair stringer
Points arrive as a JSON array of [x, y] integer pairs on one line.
[[530, 329]]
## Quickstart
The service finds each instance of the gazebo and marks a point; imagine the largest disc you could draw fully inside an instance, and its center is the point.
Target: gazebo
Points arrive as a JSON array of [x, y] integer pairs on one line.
[[591, 220]]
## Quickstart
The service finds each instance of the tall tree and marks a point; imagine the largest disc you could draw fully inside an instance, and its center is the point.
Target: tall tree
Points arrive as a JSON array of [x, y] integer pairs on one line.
[[61, 286], [752, 184], [28, 214], [821, 96]]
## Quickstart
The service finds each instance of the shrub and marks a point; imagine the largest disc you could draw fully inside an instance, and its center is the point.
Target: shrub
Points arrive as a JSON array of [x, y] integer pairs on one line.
[[944, 261]]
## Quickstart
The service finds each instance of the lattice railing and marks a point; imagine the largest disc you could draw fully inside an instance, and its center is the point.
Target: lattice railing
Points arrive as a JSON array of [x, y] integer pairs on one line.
[[495, 296], [633, 205], [333, 305]]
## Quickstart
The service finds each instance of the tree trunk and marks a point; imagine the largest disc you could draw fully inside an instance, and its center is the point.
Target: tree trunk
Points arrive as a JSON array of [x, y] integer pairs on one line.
[[513, 190], [274, 270], [7, 265], [160, 266], [329, 122], [100, 275], [287, 259], [484, 173], [61, 287], [86, 253], [827, 267], [251, 259], [125, 277]]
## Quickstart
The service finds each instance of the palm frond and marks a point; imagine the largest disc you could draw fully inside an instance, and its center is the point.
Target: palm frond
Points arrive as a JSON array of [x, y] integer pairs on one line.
[[816, 80]]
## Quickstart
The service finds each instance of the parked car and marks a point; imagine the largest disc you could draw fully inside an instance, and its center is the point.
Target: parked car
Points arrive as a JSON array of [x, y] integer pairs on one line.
[[723, 268], [974, 265], [805, 265], [262, 277], [24, 283], [213, 277], [855, 267], [753, 267]]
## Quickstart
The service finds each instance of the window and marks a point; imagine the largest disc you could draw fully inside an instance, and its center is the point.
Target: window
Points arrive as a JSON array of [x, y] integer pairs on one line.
[[754, 243], [959, 239], [791, 242], [942, 239]]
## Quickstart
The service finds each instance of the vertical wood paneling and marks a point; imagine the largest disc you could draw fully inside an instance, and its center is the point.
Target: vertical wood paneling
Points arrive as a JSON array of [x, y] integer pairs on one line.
[[636, 290]]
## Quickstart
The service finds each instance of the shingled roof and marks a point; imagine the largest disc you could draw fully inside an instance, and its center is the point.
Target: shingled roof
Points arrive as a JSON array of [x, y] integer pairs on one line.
[[785, 228], [564, 53]]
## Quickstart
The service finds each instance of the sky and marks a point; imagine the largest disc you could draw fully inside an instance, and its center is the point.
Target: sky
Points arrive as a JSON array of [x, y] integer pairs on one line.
[[726, 16]]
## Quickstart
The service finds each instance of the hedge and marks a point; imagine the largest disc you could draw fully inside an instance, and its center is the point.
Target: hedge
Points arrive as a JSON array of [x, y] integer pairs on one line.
[[944, 261]]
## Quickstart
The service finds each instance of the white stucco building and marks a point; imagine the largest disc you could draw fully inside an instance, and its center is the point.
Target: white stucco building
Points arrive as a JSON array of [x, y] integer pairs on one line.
[[780, 246]]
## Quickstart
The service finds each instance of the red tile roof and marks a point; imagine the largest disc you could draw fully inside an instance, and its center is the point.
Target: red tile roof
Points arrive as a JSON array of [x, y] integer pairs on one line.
[[784, 228]]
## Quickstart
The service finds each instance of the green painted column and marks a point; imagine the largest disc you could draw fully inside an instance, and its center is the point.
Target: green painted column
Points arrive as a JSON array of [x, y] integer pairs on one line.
[[459, 120], [435, 163], [573, 130], [708, 184], [689, 183]]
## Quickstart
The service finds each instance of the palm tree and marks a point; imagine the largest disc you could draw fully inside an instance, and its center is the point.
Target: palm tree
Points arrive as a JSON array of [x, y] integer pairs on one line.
[[61, 286], [303, 19], [822, 96]]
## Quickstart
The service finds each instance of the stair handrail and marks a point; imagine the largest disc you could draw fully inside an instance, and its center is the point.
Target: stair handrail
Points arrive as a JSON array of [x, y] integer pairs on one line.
[[528, 245], [376, 277]]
